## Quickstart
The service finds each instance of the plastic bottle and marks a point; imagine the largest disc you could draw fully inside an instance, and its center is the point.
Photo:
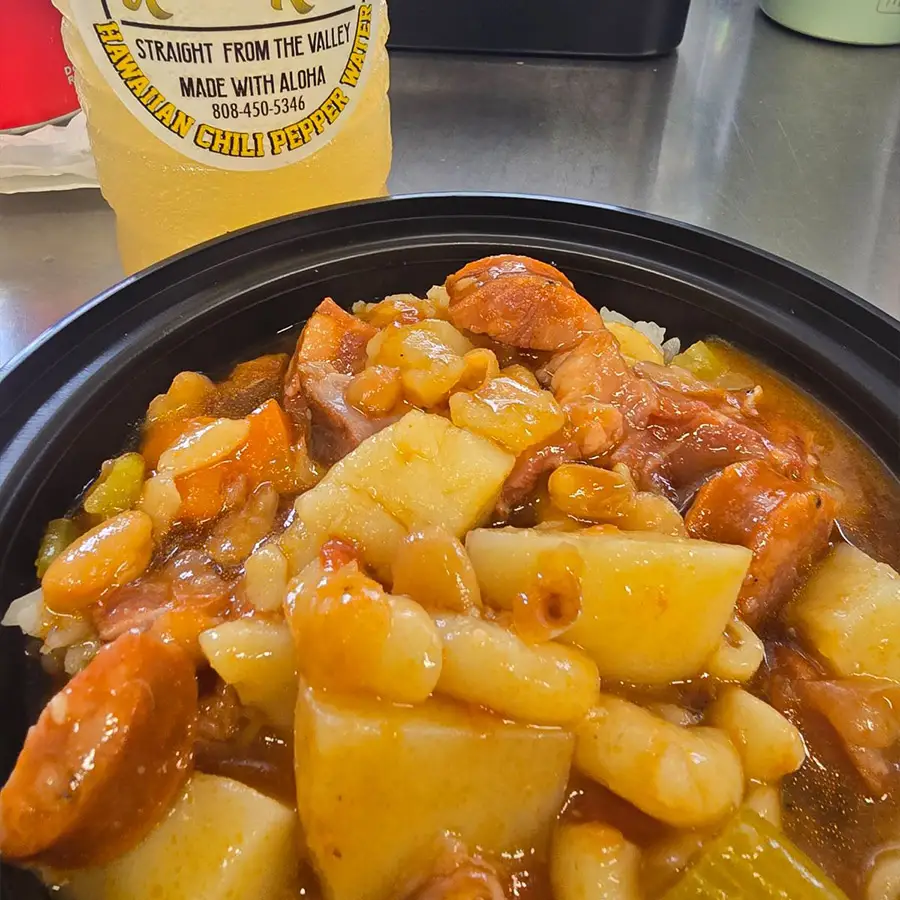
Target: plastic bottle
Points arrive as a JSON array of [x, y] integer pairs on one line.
[[209, 115]]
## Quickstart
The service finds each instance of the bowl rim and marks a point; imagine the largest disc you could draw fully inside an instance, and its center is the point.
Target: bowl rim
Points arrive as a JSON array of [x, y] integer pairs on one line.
[[662, 248], [91, 306]]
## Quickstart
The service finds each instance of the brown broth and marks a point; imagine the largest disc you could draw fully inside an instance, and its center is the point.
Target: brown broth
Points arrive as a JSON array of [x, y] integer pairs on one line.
[[827, 810], [870, 513]]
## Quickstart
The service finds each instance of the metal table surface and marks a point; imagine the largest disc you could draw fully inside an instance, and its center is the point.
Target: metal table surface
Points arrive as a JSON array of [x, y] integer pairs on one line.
[[784, 142]]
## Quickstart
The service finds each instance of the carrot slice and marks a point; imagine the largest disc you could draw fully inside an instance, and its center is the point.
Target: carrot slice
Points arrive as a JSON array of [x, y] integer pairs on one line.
[[268, 454], [162, 434], [204, 493]]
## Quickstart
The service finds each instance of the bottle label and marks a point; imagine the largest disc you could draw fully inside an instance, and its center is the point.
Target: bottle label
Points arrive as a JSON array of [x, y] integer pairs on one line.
[[236, 84]]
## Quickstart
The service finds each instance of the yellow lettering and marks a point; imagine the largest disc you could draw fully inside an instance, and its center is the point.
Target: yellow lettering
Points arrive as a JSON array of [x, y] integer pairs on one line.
[[293, 137], [152, 98], [203, 137], [128, 68], [307, 129], [351, 73], [137, 86], [177, 121], [295, 141], [277, 140], [166, 114], [319, 120], [340, 99], [244, 140], [329, 107], [357, 59], [182, 124], [108, 31], [116, 52], [221, 142]]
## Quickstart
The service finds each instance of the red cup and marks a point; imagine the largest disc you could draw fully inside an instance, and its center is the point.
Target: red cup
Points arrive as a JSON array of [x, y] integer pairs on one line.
[[36, 77]]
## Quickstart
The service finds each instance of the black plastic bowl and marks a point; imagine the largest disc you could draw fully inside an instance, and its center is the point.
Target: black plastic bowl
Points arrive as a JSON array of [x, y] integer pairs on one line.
[[71, 400]]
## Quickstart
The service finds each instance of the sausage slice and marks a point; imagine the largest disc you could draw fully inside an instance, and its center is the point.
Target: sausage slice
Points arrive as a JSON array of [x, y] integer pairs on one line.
[[786, 524], [106, 758]]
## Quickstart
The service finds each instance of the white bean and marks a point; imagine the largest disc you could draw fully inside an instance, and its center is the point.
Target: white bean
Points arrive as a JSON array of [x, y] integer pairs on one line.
[[256, 657], [204, 447], [161, 501], [410, 662], [738, 655], [352, 636], [593, 861], [650, 512], [102, 559], [299, 547], [687, 777], [765, 801], [677, 715], [188, 395], [542, 684], [884, 878], [266, 577], [432, 567], [769, 745]]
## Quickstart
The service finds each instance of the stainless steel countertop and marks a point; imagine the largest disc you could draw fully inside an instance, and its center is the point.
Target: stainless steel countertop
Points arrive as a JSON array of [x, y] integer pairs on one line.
[[778, 140]]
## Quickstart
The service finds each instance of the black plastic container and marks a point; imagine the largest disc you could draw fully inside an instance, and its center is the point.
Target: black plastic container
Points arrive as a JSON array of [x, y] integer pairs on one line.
[[603, 28], [71, 400]]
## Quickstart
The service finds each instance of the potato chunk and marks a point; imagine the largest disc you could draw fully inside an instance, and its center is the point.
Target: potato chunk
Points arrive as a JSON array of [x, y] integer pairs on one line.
[[256, 656], [849, 611], [512, 414], [428, 354], [418, 472], [379, 785], [334, 510], [425, 471], [221, 841], [653, 607]]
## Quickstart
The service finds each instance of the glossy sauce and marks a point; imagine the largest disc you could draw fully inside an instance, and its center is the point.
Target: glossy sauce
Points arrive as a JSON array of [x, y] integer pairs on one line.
[[869, 494], [825, 809]]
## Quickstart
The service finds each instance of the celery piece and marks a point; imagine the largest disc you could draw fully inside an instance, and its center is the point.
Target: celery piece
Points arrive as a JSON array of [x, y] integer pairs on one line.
[[118, 488], [57, 536], [702, 361], [752, 860]]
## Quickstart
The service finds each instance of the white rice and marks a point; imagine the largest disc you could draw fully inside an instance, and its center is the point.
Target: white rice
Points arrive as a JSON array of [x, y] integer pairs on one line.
[[27, 613], [69, 631], [438, 295], [79, 655], [655, 333]]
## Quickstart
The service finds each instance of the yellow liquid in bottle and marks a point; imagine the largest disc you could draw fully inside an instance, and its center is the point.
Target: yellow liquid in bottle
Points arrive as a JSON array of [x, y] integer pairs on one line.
[[166, 201]]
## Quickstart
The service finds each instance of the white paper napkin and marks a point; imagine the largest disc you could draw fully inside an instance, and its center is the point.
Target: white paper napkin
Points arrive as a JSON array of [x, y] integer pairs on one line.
[[52, 158]]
